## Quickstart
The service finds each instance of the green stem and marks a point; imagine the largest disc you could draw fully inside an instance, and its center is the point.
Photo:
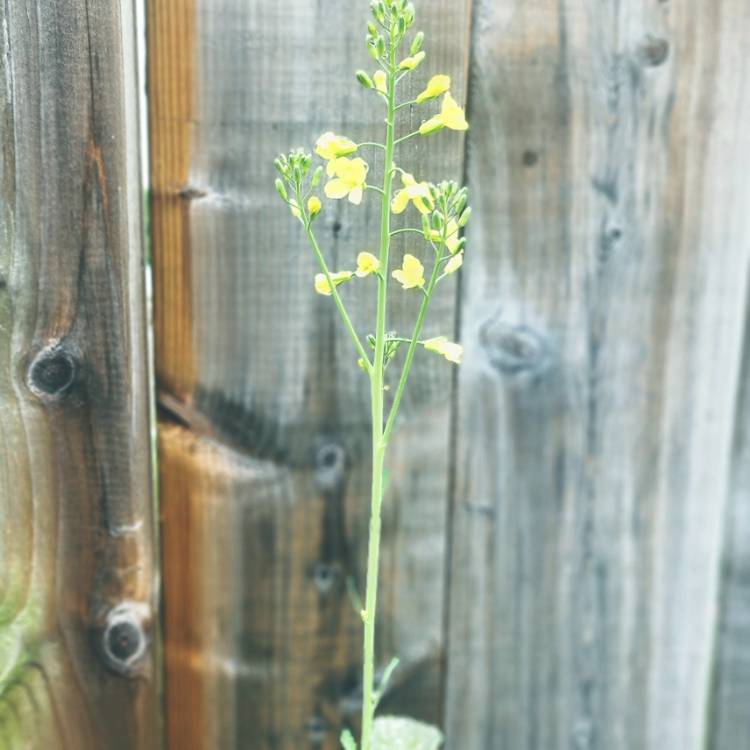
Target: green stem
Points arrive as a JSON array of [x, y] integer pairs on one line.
[[336, 297], [406, 137], [410, 352], [407, 229], [369, 699]]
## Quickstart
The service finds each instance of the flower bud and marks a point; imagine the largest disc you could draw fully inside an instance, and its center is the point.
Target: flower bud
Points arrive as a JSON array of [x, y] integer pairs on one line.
[[401, 25], [372, 47], [465, 216], [297, 172], [460, 245], [317, 175], [364, 79], [460, 203], [281, 189], [313, 206], [409, 14], [437, 220], [371, 28], [426, 226], [381, 47], [416, 45]]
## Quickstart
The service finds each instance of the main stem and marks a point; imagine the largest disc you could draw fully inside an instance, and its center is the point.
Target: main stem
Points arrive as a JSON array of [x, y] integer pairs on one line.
[[369, 700]]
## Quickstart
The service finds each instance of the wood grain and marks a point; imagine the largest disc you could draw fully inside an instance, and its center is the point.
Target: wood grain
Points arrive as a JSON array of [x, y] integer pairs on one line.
[[275, 408], [77, 591], [602, 308]]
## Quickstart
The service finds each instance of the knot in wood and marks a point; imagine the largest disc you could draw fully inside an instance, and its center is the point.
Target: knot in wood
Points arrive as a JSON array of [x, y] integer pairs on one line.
[[653, 51], [317, 730], [514, 349], [124, 641], [330, 464], [325, 575], [52, 372]]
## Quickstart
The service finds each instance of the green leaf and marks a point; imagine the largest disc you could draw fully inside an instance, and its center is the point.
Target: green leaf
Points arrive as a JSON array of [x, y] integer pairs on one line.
[[347, 741], [402, 733]]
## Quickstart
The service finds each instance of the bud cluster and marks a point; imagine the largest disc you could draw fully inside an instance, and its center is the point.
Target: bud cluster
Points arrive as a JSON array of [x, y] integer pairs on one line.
[[396, 17], [450, 213], [294, 168]]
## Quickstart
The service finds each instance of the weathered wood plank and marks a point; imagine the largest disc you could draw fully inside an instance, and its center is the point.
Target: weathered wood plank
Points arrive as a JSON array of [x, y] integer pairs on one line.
[[730, 717], [77, 669], [275, 386], [602, 309]]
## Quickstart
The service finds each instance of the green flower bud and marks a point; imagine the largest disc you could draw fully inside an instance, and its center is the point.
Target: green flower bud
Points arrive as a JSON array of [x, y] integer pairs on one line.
[[297, 172], [317, 175], [401, 25], [371, 28], [460, 246], [281, 189], [280, 167], [426, 226], [460, 203], [381, 47], [465, 216], [371, 340], [416, 45], [409, 14], [365, 80], [437, 220], [372, 47]]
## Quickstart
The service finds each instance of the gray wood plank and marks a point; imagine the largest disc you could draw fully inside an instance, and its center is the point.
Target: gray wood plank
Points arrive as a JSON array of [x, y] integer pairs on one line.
[[602, 310], [77, 590]]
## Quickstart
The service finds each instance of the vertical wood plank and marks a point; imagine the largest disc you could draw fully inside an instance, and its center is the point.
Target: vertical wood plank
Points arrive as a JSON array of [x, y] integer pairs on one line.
[[267, 442], [730, 718], [602, 309], [77, 591]]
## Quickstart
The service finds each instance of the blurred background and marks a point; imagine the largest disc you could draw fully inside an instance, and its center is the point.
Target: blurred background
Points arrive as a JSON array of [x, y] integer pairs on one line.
[[566, 557]]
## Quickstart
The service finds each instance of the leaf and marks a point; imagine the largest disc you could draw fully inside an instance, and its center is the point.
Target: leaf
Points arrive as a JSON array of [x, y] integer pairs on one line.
[[347, 741], [402, 733]]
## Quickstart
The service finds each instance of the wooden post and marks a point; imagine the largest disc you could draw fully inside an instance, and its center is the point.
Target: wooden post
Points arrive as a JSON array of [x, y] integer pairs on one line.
[[264, 435], [603, 308], [78, 668]]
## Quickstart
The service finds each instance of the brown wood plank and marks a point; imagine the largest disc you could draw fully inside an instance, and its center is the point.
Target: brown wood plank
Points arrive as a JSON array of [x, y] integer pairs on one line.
[[77, 592], [274, 406], [602, 308]]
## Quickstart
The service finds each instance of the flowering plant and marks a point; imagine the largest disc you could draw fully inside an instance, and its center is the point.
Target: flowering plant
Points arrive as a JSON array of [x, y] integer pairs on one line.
[[444, 212]]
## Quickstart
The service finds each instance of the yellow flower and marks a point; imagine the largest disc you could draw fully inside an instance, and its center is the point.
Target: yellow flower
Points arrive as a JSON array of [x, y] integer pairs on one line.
[[331, 146], [367, 263], [321, 282], [411, 274], [452, 352], [452, 240], [409, 63], [349, 177], [314, 205], [451, 116], [454, 263], [418, 192], [436, 86], [380, 81]]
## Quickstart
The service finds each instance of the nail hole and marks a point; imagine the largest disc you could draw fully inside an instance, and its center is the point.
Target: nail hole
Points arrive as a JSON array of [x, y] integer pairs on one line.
[[124, 641], [529, 158]]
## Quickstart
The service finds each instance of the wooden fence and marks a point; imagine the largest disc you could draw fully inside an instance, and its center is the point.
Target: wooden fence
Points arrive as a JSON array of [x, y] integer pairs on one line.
[[567, 530]]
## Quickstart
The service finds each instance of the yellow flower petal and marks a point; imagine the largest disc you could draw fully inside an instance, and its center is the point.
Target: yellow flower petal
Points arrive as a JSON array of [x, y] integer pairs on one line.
[[432, 125], [411, 273], [451, 237], [321, 282], [452, 352], [336, 188], [400, 202], [452, 115], [381, 81], [454, 263], [409, 63], [331, 146], [367, 263], [294, 206], [349, 177], [436, 86]]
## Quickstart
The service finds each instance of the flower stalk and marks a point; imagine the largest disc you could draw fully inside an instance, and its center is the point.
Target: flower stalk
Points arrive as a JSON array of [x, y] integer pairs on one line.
[[443, 212]]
